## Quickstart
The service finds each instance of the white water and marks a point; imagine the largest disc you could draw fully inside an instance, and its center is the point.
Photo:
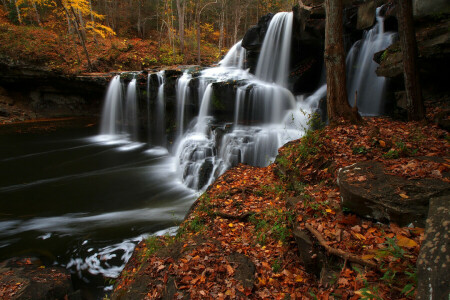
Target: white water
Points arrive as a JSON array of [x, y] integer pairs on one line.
[[131, 111], [112, 114], [266, 114], [273, 62], [235, 57], [182, 95], [361, 69], [160, 117]]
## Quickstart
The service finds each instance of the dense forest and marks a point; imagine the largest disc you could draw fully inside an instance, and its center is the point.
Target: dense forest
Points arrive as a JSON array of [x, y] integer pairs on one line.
[[100, 35]]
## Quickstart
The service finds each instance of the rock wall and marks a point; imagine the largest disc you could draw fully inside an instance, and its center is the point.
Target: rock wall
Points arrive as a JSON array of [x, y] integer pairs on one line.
[[28, 92]]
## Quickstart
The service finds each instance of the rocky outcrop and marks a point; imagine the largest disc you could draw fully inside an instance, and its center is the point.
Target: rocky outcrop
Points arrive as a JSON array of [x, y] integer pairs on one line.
[[433, 264], [253, 40], [423, 8], [26, 278], [433, 42], [34, 92], [369, 192]]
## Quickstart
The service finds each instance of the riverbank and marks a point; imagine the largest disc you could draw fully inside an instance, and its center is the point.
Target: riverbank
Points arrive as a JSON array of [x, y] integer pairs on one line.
[[282, 232]]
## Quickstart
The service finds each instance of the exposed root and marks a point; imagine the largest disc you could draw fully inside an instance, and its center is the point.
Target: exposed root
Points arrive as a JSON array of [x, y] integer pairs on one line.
[[344, 255]]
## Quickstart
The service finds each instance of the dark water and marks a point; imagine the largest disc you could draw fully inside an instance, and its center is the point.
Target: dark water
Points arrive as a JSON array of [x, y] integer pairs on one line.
[[74, 201]]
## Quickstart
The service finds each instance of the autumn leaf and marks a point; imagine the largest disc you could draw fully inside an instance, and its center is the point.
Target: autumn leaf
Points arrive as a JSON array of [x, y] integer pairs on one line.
[[405, 242]]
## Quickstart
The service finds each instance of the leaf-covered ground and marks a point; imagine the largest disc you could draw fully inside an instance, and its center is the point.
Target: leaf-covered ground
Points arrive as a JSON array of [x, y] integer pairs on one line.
[[237, 240], [51, 48]]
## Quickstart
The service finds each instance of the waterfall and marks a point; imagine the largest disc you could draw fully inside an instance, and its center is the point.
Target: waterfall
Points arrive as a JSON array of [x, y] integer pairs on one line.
[[361, 69], [131, 111], [235, 57], [202, 119], [112, 114], [257, 113], [182, 94], [160, 118], [273, 61], [149, 112]]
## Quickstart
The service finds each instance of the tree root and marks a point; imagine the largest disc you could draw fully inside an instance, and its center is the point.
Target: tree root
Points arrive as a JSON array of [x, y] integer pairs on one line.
[[342, 254]]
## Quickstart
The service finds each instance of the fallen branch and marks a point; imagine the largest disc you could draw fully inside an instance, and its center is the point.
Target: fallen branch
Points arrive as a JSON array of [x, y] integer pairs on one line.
[[345, 255]]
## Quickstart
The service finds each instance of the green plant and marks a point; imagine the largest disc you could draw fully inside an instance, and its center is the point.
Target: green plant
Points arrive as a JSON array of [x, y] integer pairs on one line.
[[276, 266], [410, 287], [368, 292], [391, 154], [152, 243], [391, 249], [359, 150]]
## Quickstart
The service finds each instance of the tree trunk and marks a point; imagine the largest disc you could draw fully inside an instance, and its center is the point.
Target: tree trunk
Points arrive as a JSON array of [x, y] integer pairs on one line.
[[416, 109], [77, 28], [237, 20], [222, 24], [5, 5], [337, 103], [199, 60], [81, 25], [181, 8], [38, 18], [92, 20], [19, 18]]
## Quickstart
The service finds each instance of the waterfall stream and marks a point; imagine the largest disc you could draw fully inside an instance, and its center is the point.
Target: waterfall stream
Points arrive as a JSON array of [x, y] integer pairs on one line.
[[361, 69], [265, 114]]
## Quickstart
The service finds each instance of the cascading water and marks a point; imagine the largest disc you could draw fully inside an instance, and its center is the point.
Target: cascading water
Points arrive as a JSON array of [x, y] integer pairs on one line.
[[361, 69], [262, 101], [182, 94], [264, 113], [235, 57], [131, 111], [149, 112], [273, 62], [112, 114], [160, 129]]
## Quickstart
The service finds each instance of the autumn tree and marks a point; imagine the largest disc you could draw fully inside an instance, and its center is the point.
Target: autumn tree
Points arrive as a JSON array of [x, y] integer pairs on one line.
[[416, 110], [337, 102]]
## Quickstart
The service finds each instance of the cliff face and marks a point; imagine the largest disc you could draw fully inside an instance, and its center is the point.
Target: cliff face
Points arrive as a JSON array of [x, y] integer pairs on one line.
[[30, 92]]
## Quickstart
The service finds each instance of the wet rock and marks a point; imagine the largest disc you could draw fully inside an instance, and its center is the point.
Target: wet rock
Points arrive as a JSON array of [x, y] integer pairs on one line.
[[368, 192], [205, 173], [26, 278], [433, 263], [253, 40]]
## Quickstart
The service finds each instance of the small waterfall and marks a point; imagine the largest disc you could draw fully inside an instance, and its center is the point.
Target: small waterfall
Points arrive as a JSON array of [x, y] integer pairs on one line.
[[182, 94], [235, 57], [149, 112], [202, 121], [273, 61], [131, 111], [112, 113], [361, 69], [160, 129]]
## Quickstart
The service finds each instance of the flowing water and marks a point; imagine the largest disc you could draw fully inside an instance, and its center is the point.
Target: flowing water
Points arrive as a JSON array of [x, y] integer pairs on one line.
[[83, 202], [361, 69]]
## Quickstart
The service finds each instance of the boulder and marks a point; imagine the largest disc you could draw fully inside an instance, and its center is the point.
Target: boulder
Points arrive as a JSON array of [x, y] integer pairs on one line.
[[26, 278], [368, 192], [433, 263], [423, 8], [366, 15]]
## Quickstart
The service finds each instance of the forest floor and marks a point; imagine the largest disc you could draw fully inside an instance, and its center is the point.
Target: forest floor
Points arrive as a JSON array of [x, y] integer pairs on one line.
[[237, 240]]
